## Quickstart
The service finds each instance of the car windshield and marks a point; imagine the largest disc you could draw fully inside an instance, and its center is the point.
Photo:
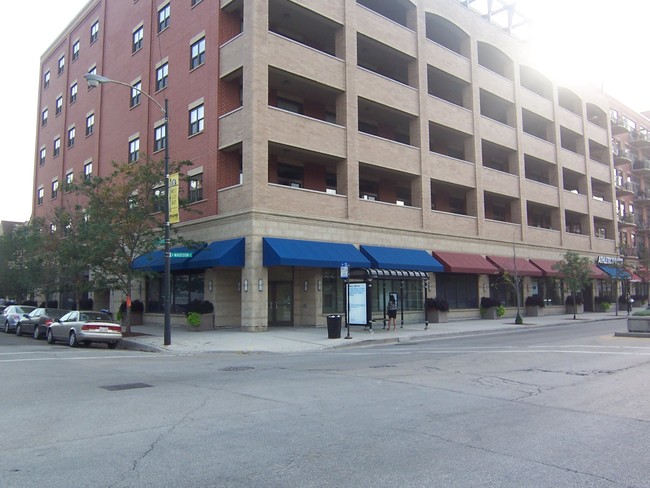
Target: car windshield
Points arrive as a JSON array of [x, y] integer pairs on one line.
[[94, 317]]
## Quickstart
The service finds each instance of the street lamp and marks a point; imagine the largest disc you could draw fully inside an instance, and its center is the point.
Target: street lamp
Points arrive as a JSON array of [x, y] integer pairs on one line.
[[96, 80]]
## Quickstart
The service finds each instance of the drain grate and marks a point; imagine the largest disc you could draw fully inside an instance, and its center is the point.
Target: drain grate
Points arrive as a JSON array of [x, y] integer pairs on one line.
[[237, 368], [126, 386]]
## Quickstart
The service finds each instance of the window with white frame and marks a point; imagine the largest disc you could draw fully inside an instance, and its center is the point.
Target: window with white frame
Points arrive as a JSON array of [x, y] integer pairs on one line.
[[57, 147], [164, 15], [195, 2], [73, 93], [94, 32], [59, 106], [159, 136], [197, 53], [75, 50], [46, 79], [44, 114], [90, 124], [195, 188], [55, 188], [40, 193], [41, 156], [71, 135], [61, 65], [136, 90], [162, 73], [69, 178], [134, 149], [196, 120], [88, 170], [138, 37]]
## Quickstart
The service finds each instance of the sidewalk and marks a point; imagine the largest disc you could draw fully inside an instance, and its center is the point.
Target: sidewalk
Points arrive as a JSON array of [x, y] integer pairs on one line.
[[304, 339]]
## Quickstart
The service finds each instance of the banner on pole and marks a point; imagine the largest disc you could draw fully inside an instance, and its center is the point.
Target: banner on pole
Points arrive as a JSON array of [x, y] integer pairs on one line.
[[174, 216]]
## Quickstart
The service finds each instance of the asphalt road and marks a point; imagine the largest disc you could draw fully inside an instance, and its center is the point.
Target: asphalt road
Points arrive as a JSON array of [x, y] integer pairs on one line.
[[561, 406]]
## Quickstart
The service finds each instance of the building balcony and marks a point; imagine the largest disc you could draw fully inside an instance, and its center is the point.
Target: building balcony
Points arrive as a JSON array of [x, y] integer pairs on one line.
[[641, 167], [622, 157], [619, 125], [642, 226], [625, 189], [640, 140], [626, 221], [642, 197]]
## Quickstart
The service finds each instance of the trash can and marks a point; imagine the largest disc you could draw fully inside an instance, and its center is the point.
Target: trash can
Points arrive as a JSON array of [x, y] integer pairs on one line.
[[333, 326]]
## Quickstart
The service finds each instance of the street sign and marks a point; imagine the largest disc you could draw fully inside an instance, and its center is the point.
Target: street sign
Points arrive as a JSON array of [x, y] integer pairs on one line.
[[180, 254], [345, 271]]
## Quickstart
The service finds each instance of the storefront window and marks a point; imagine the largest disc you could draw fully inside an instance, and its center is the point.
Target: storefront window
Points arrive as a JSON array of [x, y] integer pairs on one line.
[[460, 290], [332, 292], [411, 295], [502, 289], [552, 291], [185, 287]]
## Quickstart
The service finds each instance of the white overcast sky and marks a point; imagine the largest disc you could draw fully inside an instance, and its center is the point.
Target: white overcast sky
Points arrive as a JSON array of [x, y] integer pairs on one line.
[[605, 41]]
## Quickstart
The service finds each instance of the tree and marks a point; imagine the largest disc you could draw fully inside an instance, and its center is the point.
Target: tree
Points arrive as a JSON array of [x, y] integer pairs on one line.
[[576, 271], [122, 219]]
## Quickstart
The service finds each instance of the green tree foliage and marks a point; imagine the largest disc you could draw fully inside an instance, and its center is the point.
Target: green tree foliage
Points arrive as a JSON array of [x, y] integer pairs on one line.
[[576, 271], [23, 268]]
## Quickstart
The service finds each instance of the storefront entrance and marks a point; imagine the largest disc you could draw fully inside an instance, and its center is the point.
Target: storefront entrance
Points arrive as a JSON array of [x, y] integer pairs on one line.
[[281, 303]]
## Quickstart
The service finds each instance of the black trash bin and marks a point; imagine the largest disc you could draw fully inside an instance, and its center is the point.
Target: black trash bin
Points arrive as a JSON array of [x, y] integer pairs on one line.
[[333, 326]]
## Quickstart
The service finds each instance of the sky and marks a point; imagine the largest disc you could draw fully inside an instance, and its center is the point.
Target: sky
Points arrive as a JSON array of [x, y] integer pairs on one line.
[[573, 40]]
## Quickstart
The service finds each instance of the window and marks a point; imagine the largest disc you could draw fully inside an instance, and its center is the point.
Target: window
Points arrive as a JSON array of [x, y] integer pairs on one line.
[[73, 93], [59, 106], [159, 134], [195, 2], [57, 147], [195, 192], [61, 65], [197, 53], [46, 79], [159, 199], [161, 76], [90, 124], [88, 170], [290, 175], [135, 93], [69, 177], [55, 189], [163, 17], [44, 117], [290, 105], [71, 134], [196, 120], [94, 32], [75, 50], [134, 149], [138, 36], [93, 70], [41, 156], [39, 196]]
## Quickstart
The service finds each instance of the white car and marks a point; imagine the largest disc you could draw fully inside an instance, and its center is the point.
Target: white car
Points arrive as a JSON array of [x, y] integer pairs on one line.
[[85, 326]]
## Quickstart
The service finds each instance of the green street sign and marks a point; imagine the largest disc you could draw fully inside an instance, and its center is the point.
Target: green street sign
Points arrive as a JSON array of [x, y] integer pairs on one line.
[[181, 254]]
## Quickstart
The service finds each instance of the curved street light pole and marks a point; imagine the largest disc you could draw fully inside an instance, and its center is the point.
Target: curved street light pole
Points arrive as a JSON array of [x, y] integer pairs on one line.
[[95, 80]]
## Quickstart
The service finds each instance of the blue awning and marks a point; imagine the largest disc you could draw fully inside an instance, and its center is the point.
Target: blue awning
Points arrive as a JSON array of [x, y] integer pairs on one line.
[[398, 258], [311, 254], [218, 253], [616, 273]]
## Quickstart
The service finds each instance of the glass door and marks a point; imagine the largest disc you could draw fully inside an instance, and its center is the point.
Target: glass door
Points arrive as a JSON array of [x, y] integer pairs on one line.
[[281, 303]]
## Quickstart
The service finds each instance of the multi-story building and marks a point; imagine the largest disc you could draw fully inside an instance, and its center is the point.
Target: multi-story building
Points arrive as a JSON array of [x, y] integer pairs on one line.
[[411, 139]]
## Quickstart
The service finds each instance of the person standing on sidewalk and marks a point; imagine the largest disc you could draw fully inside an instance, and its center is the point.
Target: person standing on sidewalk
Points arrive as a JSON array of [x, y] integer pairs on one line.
[[392, 312]]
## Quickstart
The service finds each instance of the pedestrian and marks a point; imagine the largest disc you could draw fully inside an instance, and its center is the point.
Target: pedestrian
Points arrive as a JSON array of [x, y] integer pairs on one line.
[[630, 301], [392, 312]]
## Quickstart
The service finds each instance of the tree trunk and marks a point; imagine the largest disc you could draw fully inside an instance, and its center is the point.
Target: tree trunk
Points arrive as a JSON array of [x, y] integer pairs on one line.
[[127, 313]]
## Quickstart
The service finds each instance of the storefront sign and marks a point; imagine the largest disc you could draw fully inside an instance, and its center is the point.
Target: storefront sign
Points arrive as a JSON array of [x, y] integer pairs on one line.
[[610, 260]]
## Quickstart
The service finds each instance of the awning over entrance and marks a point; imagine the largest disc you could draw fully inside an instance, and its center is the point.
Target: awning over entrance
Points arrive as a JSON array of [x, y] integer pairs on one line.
[[387, 274], [456, 262], [401, 259], [508, 264], [616, 273], [546, 265], [218, 253], [311, 254], [597, 273]]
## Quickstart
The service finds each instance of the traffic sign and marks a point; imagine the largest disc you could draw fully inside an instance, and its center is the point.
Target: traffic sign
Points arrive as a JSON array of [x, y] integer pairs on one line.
[[180, 254]]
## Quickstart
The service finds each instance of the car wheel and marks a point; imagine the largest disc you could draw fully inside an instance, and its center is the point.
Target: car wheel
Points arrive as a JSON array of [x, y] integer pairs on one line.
[[72, 340], [19, 330], [37, 333], [50, 337], [112, 345]]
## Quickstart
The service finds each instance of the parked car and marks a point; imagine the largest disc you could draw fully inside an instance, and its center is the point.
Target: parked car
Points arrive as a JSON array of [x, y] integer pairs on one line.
[[85, 326], [38, 320], [12, 314]]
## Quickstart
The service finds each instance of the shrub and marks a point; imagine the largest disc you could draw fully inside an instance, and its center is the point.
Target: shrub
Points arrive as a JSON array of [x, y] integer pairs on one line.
[[487, 302], [52, 304], [501, 310], [200, 307], [534, 301], [571, 300], [601, 299], [86, 304], [137, 306], [194, 319], [437, 304], [30, 303]]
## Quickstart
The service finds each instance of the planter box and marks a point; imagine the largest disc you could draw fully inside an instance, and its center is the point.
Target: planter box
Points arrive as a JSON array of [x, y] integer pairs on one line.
[[638, 324], [490, 313], [575, 309], [534, 311], [600, 308], [207, 323], [437, 316]]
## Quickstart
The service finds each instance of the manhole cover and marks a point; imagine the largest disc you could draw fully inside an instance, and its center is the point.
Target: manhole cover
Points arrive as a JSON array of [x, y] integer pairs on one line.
[[384, 366], [126, 386], [237, 368]]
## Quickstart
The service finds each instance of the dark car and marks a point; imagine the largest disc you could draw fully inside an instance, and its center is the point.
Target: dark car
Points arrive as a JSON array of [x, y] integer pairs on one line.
[[38, 320], [12, 314]]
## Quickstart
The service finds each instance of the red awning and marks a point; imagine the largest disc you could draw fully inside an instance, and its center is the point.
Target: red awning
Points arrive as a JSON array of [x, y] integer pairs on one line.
[[635, 277], [524, 267], [546, 265], [597, 273], [456, 262]]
